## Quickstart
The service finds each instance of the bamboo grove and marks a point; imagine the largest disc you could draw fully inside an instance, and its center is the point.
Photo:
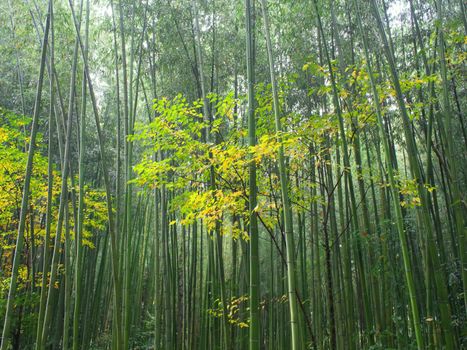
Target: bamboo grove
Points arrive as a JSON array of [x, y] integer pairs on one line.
[[212, 174]]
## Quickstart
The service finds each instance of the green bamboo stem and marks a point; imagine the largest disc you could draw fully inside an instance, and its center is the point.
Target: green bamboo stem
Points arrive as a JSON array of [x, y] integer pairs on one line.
[[25, 197], [296, 342]]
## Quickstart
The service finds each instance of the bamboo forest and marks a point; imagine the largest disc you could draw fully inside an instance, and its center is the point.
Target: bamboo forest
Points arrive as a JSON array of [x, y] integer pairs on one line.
[[233, 174]]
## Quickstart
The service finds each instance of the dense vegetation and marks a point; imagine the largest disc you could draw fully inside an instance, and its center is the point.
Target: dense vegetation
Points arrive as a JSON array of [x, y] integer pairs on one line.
[[230, 175]]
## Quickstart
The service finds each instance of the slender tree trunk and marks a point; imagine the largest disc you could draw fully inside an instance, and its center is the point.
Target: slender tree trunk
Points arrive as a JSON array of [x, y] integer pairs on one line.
[[288, 217], [25, 197]]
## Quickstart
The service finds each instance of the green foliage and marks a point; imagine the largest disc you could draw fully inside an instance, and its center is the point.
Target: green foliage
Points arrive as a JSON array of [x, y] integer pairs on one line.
[[13, 141]]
